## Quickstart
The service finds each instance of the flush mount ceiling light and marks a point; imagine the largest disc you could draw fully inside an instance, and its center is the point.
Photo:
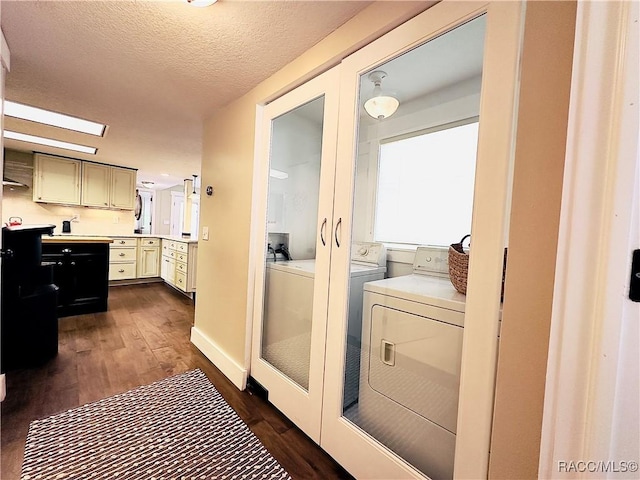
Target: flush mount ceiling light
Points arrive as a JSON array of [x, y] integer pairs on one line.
[[147, 183], [201, 3], [380, 105], [47, 117], [50, 142]]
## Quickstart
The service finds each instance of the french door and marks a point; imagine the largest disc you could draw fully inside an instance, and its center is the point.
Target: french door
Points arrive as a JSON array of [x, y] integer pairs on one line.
[[297, 154], [454, 71]]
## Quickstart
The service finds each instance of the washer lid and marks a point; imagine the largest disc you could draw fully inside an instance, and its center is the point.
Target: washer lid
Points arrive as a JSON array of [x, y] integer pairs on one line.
[[306, 268], [434, 291], [356, 269]]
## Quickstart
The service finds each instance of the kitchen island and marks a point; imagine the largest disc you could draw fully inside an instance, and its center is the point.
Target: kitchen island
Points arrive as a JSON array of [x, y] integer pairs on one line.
[[80, 270]]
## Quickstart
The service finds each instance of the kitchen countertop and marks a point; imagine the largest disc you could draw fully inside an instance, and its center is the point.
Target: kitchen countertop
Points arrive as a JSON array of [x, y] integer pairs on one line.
[[177, 238], [75, 239]]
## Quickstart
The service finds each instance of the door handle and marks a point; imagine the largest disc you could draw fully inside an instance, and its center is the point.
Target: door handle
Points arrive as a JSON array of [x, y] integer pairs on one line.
[[338, 226], [323, 228]]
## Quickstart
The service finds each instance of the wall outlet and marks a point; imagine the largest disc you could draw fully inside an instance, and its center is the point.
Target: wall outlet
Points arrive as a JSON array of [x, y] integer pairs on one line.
[[205, 233], [166, 222]]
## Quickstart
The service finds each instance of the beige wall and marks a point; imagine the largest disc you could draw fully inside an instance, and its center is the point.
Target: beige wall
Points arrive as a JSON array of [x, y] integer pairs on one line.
[[533, 235], [227, 164]]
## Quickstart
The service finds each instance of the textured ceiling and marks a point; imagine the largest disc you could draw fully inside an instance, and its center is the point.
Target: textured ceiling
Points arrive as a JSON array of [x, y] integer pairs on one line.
[[151, 70]]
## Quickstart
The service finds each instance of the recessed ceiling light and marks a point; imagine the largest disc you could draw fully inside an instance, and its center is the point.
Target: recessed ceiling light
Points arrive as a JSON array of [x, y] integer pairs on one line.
[[164, 174], [23, 137], [33, 114]]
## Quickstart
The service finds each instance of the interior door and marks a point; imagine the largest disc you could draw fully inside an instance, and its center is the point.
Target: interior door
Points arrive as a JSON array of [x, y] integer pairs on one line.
[[454, 72], [298, 137]]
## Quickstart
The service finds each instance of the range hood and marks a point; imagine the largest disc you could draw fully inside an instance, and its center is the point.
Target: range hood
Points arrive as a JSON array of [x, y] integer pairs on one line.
[[11, 183]]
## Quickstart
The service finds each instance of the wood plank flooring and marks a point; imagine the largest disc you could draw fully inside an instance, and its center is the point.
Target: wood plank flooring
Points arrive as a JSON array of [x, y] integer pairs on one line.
[[143, 337]]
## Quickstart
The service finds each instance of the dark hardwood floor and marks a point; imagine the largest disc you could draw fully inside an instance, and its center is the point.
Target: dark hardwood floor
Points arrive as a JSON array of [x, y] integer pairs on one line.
[[143, 337]]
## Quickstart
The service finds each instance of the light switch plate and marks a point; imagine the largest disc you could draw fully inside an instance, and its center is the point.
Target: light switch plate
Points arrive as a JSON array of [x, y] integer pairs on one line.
[[205, 233]]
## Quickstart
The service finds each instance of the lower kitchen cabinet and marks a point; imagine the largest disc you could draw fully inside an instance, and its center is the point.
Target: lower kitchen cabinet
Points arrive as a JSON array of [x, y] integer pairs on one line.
[[179, 264], [80, 270], [122, 258]]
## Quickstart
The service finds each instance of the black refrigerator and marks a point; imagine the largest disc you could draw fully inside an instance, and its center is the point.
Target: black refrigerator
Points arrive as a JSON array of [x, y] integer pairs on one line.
[[29, 320]]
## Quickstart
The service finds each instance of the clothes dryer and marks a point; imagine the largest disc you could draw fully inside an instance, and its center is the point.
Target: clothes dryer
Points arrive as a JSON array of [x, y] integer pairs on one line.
[[410, 368]]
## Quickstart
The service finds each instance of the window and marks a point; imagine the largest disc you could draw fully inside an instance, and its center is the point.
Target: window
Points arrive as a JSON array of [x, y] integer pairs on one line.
[[425, 186]]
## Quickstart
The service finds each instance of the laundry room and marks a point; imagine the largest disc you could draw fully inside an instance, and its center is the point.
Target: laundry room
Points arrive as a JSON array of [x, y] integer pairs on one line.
[[413, 176]]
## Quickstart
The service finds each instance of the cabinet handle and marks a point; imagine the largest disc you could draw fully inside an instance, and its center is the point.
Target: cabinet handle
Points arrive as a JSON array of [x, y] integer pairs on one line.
[[122, 242], [322, 230], [121, 270], [338, 225], [106, 203], [39, 198], [122, 254]]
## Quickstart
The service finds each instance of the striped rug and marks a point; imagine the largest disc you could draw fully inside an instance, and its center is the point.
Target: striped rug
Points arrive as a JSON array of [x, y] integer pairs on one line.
[[177, 428]]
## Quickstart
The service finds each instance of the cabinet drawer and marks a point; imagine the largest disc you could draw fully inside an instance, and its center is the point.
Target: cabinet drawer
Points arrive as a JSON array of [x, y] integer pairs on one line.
[[122, 271], [124, 254], [181, 281], [124, 242], [149, 242], [172, 245], [181, 257], [182, 247], [181, 267]]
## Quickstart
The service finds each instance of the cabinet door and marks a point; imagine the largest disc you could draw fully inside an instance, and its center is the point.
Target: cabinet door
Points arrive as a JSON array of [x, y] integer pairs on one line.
[[455, 62], [123, 188], [148, 262], [96, 182], [299, 134], [56, 180]]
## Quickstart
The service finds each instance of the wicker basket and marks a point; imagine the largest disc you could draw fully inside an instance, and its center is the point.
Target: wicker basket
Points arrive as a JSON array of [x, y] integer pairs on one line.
[[459, 265]]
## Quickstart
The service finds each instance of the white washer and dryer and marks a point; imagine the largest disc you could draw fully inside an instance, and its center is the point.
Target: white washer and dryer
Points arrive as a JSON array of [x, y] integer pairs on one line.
[[288, 309], [410, 367]]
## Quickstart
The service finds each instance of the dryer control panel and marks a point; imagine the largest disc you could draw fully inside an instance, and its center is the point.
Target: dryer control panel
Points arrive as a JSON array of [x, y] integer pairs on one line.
[[431, 261]]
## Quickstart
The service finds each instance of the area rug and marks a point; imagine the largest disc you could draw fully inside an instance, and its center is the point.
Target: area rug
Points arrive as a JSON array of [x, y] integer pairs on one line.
[[177, 428]]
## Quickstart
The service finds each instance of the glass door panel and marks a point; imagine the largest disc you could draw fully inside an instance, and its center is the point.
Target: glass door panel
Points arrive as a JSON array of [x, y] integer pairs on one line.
[[292, 212]]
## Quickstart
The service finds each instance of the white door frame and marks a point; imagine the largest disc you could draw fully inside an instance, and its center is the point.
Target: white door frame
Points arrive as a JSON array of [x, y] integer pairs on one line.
[[598, 230]]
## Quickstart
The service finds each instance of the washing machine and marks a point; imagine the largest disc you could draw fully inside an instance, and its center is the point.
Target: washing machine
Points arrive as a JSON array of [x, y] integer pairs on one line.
[[410, 367], [288, 310]]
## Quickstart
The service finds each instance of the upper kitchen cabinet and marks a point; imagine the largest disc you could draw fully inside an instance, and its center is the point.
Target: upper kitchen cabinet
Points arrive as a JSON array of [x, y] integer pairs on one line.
[[56, 180], [123, 188], [107, 186], [96, 184]]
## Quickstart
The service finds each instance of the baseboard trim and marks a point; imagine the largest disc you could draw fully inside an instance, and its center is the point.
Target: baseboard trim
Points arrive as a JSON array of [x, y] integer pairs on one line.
[[219, 358]]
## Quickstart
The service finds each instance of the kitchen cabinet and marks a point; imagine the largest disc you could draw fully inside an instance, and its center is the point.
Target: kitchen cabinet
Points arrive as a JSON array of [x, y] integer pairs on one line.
[[123, 258], [96, 185], [56, 179], [74, 182], [148, 258], [331, 185], [178, 264], [80, 270], [123, 188]]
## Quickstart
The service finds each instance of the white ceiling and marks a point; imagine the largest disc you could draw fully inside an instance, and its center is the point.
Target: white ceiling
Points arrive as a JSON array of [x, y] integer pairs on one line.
[[151, 70]]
